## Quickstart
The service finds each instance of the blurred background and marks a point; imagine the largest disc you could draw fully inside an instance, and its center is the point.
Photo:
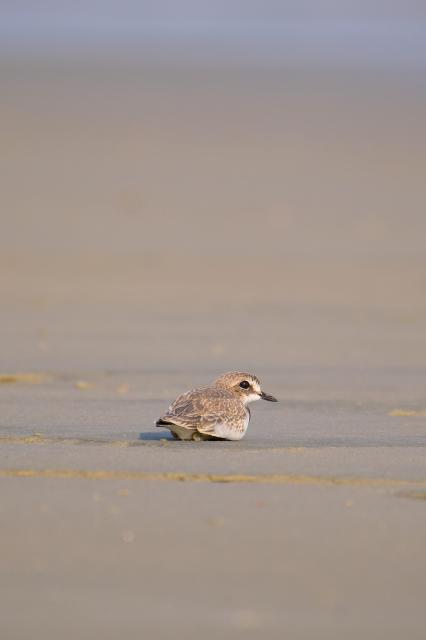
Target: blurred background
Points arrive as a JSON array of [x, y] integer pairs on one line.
[[211, 185]]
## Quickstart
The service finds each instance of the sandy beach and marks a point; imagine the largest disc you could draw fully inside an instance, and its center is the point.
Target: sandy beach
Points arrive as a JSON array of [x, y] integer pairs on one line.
[[164, 224]]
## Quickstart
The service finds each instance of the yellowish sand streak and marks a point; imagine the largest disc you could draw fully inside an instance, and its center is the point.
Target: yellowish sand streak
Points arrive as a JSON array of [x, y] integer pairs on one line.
[[39, 438], [282, 479], [26, 378], [408, 413]]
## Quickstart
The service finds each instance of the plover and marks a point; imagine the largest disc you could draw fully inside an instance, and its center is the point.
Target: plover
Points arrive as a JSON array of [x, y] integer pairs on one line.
[[216, 412]]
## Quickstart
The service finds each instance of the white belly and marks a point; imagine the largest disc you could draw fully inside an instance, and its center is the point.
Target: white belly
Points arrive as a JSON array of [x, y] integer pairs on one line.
[[230, 432]]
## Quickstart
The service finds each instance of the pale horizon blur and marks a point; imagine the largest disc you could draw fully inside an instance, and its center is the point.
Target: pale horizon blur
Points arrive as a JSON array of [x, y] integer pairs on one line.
[[262, 156]]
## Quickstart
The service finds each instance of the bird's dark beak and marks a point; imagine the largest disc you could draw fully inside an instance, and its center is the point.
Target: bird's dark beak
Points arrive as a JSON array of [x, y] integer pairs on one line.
[[266, 396]]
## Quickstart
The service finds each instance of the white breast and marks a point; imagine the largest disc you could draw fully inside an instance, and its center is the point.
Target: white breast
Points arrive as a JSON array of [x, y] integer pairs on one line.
[[230, 432]]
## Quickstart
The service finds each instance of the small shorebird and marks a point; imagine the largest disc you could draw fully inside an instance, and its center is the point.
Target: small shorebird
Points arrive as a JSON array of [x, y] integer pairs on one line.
[[216, 412]]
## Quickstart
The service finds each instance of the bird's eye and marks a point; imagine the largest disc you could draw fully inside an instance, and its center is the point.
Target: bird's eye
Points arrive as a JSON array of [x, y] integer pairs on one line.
[[244, 384]]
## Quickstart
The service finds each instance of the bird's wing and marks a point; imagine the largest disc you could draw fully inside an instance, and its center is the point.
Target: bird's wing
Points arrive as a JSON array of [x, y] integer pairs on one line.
[[205, 412], [230, 421]]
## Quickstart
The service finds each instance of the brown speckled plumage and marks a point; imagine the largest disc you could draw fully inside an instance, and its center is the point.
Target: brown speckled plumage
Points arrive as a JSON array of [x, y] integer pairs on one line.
[[217, 411]]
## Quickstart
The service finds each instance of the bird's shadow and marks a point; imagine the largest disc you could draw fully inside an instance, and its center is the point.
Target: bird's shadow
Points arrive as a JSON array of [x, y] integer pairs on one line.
[[155, 435]]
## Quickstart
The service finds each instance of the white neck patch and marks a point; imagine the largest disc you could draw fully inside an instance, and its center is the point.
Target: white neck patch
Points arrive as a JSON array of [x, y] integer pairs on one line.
[[252, 397]]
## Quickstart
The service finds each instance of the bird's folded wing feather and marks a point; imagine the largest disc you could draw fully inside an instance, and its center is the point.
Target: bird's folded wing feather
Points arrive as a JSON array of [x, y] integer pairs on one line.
[[197, 410]]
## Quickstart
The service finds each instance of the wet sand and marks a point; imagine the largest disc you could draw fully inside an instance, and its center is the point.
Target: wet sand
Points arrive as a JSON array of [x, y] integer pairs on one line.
[[161, 225]]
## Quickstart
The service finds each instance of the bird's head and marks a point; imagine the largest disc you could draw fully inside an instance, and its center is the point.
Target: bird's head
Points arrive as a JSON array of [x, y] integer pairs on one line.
[[245, 385]]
